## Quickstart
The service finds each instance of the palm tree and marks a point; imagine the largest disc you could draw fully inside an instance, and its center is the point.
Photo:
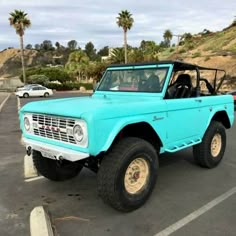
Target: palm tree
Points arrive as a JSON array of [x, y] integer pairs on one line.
[[77, 63], [167, 36], [117, 55], [125, 21], [20, 22]]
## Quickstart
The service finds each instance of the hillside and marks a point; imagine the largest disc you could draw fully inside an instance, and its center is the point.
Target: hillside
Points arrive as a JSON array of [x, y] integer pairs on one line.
[[216, 49], [210, 49], [10, 60]]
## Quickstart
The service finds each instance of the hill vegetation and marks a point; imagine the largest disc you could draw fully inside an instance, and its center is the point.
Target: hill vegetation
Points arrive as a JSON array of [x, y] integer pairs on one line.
[[213, 49]]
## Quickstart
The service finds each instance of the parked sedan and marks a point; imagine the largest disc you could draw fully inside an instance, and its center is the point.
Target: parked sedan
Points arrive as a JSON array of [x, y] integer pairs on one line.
[[27, 86], [34, 91]]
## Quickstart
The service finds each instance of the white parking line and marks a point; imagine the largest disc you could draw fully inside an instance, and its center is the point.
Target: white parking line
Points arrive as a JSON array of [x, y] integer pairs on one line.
[[179, 224], [4, 101], [33, 179]]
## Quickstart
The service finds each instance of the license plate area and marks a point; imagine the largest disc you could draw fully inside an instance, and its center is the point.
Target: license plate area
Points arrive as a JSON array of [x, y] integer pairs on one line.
[[48, 155]]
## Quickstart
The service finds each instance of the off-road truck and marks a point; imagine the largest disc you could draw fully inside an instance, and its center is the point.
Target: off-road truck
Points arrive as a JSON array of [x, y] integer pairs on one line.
[[136, 113]]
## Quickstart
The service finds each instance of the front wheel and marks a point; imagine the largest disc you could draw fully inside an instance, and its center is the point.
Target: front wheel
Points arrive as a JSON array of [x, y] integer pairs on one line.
[[128, 174], [55, 170], [210, 151]]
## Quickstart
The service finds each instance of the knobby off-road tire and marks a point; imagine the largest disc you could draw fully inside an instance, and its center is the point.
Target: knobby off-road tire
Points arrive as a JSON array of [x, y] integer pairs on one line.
[[127, 174], [210, 151], [54, 170]]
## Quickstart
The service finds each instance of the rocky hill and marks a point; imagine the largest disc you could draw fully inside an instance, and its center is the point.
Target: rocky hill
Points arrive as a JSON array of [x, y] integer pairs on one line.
[[214, 49], [10, 60]]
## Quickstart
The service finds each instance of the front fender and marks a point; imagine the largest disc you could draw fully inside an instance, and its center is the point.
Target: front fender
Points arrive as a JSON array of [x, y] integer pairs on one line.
[[107, 130]]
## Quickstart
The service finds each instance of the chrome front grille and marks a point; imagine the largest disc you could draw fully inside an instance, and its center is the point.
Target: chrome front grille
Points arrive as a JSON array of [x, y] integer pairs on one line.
[[54, 127]]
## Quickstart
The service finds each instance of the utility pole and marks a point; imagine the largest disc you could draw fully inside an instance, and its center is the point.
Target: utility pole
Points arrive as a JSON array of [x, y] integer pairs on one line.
[[178, 40]]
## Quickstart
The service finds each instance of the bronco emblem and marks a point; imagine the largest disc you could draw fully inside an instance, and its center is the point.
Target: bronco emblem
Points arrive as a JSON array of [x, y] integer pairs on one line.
[[51, 128]]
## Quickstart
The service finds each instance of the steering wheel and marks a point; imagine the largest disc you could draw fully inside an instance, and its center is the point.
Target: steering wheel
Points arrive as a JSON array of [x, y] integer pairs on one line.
[[208, 85]]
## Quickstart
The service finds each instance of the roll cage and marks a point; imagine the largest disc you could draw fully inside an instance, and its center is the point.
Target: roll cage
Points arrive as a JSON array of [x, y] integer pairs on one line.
[[180, 66]]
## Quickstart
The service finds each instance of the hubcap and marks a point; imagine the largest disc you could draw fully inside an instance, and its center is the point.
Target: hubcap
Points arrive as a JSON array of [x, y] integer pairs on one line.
[[216, 144], [136, 175]]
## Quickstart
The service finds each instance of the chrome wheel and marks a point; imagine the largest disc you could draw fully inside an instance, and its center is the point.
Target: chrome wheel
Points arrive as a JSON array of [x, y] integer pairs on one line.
[[136, 175]]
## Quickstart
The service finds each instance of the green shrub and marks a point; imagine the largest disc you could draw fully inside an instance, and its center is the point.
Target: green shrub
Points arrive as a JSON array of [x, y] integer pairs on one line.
[[55, 86], [190, 46], [69, 86], [38, 79], [207, 58], [196, 54], [53, 74], [87, 86], [182, 50]]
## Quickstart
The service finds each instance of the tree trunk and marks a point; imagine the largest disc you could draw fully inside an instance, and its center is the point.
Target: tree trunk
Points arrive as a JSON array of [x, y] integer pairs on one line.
[[125, 45], [22, 59]]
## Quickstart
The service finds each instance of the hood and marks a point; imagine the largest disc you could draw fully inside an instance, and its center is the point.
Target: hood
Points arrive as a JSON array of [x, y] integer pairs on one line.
[[101, 105]]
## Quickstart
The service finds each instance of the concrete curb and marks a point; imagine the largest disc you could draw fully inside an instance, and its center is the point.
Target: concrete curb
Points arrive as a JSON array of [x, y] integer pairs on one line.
[[40, 224], [29, 169], [4, 101], [18, 104]]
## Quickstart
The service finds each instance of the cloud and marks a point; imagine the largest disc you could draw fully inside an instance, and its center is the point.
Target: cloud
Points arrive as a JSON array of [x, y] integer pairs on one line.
[[95, 21]]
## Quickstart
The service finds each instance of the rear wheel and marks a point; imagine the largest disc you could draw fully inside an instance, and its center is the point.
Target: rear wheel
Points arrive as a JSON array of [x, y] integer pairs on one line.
[[25, 95], [128, 174], [55, 170], [46, 95], [210, 152]]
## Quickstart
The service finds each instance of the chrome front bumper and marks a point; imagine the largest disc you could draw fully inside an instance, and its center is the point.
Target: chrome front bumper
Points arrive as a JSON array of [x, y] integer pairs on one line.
[[54, 152]]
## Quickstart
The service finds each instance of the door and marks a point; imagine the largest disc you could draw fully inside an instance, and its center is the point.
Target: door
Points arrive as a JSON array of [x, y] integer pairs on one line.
[[184, 119], [34, 92]]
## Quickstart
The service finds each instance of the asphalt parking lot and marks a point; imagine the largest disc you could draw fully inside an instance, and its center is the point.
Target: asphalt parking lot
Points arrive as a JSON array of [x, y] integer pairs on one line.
[[75, 209]]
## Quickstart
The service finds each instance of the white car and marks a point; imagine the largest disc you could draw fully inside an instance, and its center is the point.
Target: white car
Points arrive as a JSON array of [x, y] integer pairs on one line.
[[34, 91], [27, 86]]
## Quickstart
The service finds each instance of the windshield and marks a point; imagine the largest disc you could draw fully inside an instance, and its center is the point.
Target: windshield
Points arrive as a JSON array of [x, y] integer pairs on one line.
[[133, 80]]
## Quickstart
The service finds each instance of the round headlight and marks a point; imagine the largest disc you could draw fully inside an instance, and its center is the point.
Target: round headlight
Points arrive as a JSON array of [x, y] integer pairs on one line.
[[78, 133], [27, 123]]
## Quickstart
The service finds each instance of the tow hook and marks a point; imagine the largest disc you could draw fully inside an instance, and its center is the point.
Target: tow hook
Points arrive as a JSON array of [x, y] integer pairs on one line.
[[29, 150]]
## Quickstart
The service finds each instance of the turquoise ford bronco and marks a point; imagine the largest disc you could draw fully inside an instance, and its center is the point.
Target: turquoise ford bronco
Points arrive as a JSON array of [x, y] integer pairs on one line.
[[136, 113]]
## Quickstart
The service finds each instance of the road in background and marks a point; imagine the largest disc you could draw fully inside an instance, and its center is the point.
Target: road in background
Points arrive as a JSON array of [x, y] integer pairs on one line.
[[2, 96]]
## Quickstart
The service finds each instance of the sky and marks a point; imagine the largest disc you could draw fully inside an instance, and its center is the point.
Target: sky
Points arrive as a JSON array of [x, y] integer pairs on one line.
[[95, 20]]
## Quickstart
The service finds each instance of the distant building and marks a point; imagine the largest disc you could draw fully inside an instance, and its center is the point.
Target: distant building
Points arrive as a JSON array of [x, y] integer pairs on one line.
[[105, 58]]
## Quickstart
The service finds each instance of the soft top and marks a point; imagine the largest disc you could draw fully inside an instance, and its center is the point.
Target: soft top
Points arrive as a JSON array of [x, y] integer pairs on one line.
[[178, 65]]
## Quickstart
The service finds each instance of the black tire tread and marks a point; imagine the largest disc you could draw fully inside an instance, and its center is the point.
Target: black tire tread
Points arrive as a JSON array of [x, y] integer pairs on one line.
[[201, 151], [49, 168], [110, 167]]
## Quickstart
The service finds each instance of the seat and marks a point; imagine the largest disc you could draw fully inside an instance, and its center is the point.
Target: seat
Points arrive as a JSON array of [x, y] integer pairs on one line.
[[152, 84], [181, 88]]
